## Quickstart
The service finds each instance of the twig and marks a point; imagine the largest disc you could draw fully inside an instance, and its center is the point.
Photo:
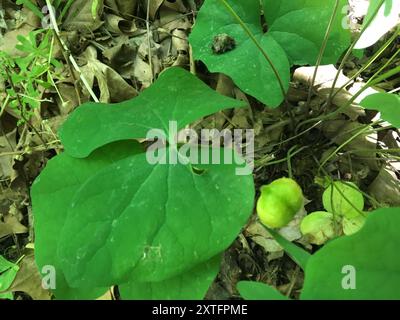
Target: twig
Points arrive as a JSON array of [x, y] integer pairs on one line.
[[149, 40], [293, 281]]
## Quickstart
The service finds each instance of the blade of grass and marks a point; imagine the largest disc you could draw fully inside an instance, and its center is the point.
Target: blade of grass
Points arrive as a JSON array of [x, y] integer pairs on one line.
[[299, 255]]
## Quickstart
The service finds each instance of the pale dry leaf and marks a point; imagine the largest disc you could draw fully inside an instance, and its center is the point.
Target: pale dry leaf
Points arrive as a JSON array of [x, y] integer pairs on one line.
[[113, 88], [171, 20], [119, 25], [323, 85], [28, 279], [11, 225], [154, 6], [84, 16], [257, 232], [8, 42], [8, 143], [386, 188], [125, 8]]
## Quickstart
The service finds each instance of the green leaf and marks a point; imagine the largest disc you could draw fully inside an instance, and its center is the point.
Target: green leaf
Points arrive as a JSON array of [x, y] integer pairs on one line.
[[191, 285], [299, 26], [351, 226], [122, 219], [7, 295], [299, 255], [343, 199], [128, 221], [52, 193], [318, 227], [245, 64], [387, 104], [296, 29], [8, 271], [372, 254], [94, 124], [251, 290], [31, 6]]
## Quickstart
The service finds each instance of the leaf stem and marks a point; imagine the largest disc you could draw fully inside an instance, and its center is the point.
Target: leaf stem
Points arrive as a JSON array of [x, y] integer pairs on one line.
[[350, 50], [253, 38], [322, 50]]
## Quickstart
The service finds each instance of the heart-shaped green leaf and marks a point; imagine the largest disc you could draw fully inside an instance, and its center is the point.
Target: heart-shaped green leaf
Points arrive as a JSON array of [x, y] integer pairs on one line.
[[296, 30], [387, 104], [52, 193], [117, 217], [251, 290], [93, 125], [299, 26], [364, 265], [245, 64], [128, 221], [191, 285]]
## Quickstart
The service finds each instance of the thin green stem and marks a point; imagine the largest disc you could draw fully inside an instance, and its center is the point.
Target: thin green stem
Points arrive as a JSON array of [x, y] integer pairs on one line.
[[350, 50], [370, 62], [253, 38], [322, 50], [333, 184], [359, 132], [371, 82]]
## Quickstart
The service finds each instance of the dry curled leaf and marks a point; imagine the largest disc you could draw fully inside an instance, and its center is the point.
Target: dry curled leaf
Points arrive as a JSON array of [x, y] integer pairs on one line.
[[113, 88]]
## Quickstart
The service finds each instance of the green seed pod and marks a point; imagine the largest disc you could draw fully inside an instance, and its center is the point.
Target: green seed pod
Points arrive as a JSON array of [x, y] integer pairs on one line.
[[318, 227], [336, 199], [279, 202], [351, 226]]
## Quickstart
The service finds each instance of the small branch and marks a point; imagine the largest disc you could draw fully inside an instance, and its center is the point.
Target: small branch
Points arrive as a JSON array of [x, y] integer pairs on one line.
[[149, 40]]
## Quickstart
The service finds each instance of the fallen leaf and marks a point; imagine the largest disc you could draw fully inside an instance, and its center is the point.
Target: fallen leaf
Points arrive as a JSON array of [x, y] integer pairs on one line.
[[386, 188], [113, 88], [80, 16], [8, 143], [28, 279]]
